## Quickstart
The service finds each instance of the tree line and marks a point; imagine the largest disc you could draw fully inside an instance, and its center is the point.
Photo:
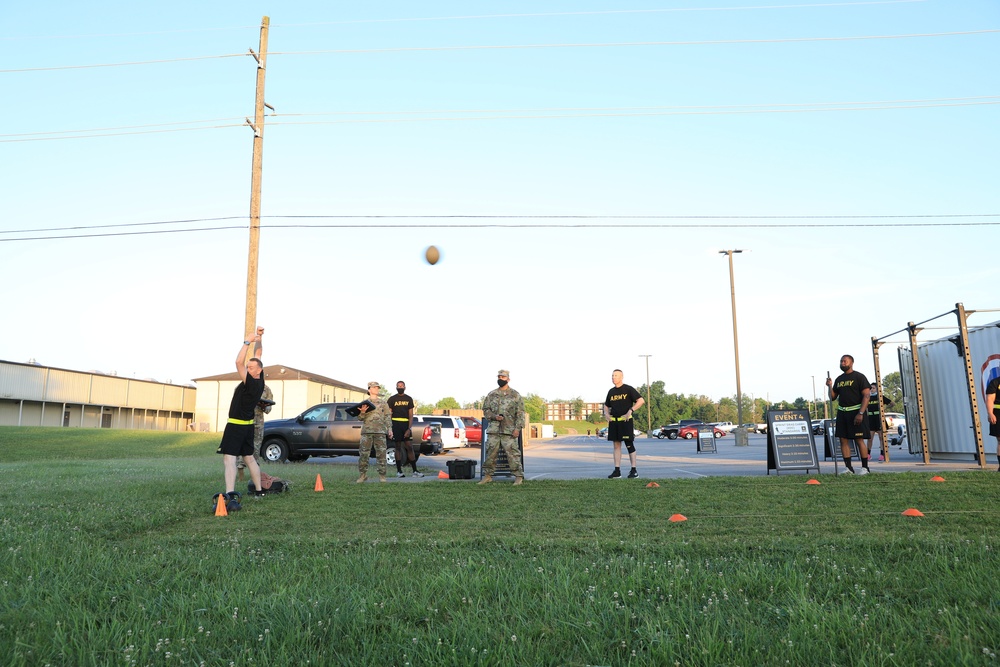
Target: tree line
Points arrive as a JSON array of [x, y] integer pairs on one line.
[[671, 408]]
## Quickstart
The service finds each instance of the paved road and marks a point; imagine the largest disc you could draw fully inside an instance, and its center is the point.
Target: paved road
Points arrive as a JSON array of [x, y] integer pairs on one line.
[[581, 457]]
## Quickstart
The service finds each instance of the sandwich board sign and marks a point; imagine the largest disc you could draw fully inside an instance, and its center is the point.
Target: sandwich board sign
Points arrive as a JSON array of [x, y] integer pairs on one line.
[[790, 444], [706, 438]]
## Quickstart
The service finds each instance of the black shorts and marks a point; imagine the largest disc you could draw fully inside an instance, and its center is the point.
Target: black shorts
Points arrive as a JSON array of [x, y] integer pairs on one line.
[[847, 429], [399, 431], [874, 423], [995, 428], [621, 431], [237, 440]]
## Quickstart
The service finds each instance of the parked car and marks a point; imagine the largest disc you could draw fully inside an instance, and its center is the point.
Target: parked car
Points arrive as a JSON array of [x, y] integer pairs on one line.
[[672, 431], [602, 432], [328, 430], [893, 420], [728, 427], [660, 432], [473, 430], [817, 426], [452, 429], [691, 431]]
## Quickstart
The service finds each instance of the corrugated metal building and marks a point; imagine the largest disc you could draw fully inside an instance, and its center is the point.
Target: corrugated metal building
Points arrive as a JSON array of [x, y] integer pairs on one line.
[[294, 391], [34, 395]]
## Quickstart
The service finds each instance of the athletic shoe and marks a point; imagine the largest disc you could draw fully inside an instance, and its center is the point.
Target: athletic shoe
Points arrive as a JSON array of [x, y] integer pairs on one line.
[[863, 471], [616, 474], [417, 473], [259, 494], [400, 475], [847, 471], [633, 473]]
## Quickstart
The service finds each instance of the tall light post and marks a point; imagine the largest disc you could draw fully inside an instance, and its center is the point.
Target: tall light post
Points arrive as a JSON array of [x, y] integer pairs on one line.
[[736, 346], [649, 402], [814, 415]]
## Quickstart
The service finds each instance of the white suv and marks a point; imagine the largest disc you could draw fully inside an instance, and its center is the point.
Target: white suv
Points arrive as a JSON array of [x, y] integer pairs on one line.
[[452, 429]]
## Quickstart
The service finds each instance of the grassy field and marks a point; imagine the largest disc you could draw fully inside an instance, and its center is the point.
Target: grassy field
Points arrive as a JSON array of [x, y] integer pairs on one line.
[[112, 556], [569, 427]]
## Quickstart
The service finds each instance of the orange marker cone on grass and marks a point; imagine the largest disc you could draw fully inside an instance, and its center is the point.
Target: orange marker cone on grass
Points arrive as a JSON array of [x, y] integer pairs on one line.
[[912, 512], [652, 485], [220, 506], [443, 475], [937, 478], [678, 517], [813, 481], [319, 483]]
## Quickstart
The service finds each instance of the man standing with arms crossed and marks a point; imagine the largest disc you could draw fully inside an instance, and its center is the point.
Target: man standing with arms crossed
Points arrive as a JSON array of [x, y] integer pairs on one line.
[[621, 402], [237, 438], [992, 389], [401, 406], [851, 389], [504, 410]]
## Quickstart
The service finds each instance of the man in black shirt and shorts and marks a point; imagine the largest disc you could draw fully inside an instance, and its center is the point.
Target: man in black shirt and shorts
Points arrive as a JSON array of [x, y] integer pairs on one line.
[[993, 408], [401, 406], [237, 438], [622, 400], [851, 389]]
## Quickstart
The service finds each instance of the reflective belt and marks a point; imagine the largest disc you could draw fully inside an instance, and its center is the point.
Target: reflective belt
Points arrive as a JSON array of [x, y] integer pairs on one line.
[[400, 419], [618, 419], [848, 408], [996, 406], [241, 422]]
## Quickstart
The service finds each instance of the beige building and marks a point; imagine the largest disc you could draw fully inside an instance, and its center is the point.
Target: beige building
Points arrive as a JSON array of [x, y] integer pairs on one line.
[[35, 395], [294, 391], [564, 411]]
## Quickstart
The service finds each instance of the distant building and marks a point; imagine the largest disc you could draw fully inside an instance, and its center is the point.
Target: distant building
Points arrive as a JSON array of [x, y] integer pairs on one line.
[[294, 390], [35, 395], [564, 411]]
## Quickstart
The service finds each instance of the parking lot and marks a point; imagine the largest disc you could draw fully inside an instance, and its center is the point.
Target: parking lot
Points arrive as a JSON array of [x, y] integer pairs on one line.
[[583, 457]]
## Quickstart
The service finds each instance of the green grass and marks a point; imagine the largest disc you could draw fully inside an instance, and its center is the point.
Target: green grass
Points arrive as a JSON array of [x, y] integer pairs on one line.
[[111, 556], [563, 427]]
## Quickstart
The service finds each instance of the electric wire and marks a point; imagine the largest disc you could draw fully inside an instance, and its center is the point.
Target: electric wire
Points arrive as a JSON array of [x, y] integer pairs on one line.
[[493, 47]]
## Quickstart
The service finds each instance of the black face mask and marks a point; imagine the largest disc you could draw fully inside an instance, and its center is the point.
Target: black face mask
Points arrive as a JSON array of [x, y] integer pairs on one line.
[[400, 391], [501, 383], [844, 368]]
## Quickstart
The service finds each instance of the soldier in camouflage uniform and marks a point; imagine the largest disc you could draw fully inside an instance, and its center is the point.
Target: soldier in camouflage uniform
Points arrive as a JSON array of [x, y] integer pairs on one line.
[[376, 425], [263, 407], [504, 410]]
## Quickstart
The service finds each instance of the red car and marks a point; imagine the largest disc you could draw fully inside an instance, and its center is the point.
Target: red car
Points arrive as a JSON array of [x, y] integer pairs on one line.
[[473, 431], [691, 432]]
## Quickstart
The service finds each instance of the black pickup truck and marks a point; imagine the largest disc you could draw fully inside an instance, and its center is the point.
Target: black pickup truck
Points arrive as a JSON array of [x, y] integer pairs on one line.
[[328, 430], [670, 430]]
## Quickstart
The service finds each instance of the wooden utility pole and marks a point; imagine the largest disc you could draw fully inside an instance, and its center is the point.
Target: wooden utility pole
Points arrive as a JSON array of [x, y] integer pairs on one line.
[[258, 148]]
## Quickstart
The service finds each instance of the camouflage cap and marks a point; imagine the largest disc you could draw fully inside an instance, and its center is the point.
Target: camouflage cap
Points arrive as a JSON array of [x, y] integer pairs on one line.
[[503, 372], [374, 384]]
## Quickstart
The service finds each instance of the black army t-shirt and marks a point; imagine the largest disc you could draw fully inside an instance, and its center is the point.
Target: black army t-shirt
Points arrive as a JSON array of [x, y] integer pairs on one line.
[[621, 399], [848, 388], [400, 405]]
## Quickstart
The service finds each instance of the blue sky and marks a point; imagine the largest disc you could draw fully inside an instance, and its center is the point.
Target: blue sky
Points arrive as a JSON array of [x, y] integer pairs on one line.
[[606, 128]]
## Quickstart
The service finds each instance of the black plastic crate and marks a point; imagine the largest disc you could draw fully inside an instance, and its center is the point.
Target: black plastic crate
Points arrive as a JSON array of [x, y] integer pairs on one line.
[[461, 469]]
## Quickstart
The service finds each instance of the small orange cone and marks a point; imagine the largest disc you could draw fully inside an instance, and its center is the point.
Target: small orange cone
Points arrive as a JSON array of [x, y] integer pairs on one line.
[[678, 517], [652, 485], [319, 483], [912, 512], [813, 481], [937, 478], [443, 475], [220, 507]]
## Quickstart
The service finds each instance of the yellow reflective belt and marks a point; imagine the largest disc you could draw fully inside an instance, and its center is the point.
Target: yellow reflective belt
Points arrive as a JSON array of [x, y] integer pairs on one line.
[[400, 419], [241, 422], [848, 408], [618, 419]]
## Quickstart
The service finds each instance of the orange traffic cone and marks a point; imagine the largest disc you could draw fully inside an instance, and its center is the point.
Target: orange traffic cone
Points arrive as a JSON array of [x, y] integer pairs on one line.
[[319, 483], [652, 485], [443, 475], [678, 517], [813, 481], [220, 506], [937, 478], [912, 512]]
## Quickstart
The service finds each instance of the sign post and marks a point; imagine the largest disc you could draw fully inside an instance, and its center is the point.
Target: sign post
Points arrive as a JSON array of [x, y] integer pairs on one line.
[[790, 444], [706, 438]]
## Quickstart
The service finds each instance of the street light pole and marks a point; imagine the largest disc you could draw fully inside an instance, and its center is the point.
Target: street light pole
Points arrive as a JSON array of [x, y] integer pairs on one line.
[[736, 345], [814, 415], [649, 402]]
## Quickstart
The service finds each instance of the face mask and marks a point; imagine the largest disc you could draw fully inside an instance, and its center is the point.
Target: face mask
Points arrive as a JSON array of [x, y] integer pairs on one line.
[[400, 391], [844, 368], [501, 383]]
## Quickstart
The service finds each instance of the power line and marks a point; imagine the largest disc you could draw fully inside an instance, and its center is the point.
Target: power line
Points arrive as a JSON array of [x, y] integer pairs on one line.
[[488, 47], [598, 13], [120, 134], [572, 45], [553, 225], [121, 127]]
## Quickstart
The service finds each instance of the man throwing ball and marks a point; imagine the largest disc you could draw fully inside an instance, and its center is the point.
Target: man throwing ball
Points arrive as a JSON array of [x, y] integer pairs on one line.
[[622, 401]]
